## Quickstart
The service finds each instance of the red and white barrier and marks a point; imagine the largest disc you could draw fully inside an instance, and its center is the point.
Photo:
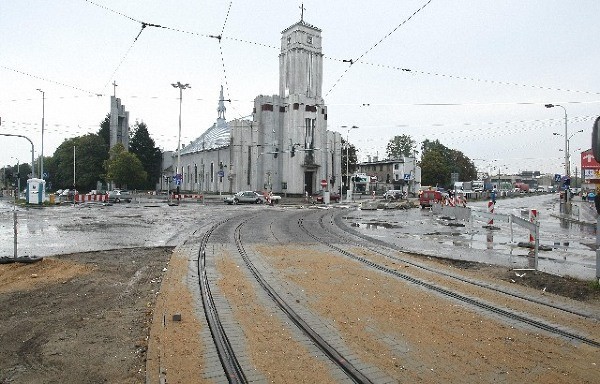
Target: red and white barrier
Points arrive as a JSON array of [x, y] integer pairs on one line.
[[86, 198], [491, 212], [533, 218], [187, 197]]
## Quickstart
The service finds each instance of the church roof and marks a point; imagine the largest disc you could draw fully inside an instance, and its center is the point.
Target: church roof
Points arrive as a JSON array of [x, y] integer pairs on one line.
[[217, 136], [302, 23]]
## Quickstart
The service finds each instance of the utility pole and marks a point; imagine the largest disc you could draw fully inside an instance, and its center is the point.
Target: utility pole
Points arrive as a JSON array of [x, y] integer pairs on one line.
[[177, 174], [43, 123]]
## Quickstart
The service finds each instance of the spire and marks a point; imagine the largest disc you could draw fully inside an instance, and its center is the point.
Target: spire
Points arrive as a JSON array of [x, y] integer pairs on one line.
[[221, 108]]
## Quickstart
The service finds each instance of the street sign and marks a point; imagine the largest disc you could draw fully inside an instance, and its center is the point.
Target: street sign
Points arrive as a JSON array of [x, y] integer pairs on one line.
[[406, 176], [323, 183], [557, 177], [221, 173]]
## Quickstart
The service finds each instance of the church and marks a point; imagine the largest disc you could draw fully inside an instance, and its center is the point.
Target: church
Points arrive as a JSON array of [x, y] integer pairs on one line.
[[284, 147]]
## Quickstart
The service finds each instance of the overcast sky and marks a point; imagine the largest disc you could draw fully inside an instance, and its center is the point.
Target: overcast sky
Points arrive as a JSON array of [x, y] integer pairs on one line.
[[474, 75]]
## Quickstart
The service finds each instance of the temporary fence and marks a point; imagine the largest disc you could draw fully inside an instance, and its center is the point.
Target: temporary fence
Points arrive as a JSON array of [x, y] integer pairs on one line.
[[489, 217], [187, 197]]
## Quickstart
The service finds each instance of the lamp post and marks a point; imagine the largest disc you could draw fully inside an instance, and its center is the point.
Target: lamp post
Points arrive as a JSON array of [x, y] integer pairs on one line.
[[567, 171], [42, 150], [347, 183], [18, 175], [181, 88]]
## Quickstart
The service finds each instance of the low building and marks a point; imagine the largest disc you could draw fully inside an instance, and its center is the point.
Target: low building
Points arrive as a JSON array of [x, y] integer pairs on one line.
[[401, 174]]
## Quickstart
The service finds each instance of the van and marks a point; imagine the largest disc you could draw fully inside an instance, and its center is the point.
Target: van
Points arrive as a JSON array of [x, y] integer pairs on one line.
[[427, 198]]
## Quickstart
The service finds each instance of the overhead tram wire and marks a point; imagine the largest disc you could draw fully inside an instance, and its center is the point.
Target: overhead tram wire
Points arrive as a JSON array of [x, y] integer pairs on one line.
[[352, 61], [219, 37]]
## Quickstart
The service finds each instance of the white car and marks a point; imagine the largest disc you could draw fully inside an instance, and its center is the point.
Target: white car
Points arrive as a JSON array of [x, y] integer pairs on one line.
[[245, 197]]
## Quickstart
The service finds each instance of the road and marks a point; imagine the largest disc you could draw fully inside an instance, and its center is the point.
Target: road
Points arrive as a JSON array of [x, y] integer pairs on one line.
[[572, 244], [146, 222]]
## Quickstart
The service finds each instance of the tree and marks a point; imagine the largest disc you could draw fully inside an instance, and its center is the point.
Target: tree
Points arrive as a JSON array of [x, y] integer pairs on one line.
[[400, 146], [434, 169], [143, 146], [439, 161], [104, 131], [124, 168], [90, 154]]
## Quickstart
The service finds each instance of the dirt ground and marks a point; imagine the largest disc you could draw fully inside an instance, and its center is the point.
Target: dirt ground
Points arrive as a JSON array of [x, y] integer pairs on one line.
[[79, 318], [85, 317]]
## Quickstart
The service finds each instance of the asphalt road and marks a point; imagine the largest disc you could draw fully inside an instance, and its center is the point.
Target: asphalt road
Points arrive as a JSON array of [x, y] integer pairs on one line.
[[147, 222]]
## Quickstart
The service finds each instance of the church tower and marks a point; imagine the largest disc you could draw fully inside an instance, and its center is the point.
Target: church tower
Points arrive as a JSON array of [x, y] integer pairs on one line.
[[301, 61]]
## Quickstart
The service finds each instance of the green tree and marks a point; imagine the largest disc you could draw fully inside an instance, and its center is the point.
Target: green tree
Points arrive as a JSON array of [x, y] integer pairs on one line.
[[439, 161], [124, 168], [104, 131], [90, 154], [400, 146], [143, 146], [434, 169]]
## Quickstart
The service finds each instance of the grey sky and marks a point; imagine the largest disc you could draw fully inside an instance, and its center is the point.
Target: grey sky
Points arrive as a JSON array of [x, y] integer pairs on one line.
[[480, 71]]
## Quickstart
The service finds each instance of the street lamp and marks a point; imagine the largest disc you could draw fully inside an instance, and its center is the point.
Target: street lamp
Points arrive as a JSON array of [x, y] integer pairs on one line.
[[42, 150], [181, 88], [567, 171], [347, 183]]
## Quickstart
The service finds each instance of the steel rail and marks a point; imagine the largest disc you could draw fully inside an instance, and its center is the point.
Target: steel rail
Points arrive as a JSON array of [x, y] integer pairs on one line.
[[351, 371], [231, 366], [455, 295]]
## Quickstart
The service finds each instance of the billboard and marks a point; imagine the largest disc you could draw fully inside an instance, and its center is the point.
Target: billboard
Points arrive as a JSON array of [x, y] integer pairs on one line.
[[590, 168]]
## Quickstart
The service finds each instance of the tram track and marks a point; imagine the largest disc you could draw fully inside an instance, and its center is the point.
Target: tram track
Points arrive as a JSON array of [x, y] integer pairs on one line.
[[446, 292], [231, 366]]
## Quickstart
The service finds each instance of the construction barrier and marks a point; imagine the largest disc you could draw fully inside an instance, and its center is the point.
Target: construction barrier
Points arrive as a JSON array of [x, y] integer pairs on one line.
[[87, 198], [491, 212], [468, 214], [199, 198]]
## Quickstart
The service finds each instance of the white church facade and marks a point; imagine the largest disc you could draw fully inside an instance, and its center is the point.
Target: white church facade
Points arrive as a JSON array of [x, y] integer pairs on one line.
[[285, 147]]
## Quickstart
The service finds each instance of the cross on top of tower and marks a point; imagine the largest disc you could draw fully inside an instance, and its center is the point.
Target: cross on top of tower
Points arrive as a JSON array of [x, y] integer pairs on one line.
[[302, 8]]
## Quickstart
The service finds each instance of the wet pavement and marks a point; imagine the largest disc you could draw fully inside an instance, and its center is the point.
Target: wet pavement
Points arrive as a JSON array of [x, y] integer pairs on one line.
[[569, 240], [151, 222]]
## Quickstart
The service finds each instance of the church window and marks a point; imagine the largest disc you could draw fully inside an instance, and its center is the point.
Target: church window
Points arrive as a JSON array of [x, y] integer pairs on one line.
[[282, 109], [289, 39], [309, 39], [309, 135], [310, 108], [296, 106], [267, 107]]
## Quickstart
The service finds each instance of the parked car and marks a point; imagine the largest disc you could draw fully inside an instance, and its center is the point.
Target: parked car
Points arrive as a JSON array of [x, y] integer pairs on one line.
[[245, 197], [333, 197], [94, 192], [427, 198], [393, 194], [117, 196], [270, 197]]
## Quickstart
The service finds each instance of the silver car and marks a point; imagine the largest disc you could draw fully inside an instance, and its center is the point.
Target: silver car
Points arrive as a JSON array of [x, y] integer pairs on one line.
[[118, 196], [245, 197]]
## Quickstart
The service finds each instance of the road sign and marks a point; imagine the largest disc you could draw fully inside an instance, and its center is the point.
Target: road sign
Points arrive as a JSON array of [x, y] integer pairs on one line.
[[406, 176], [221, 173], [323, 183], [557, 177]]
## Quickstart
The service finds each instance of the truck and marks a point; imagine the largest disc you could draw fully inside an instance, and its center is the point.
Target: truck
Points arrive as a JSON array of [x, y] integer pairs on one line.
[[521, 187]]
